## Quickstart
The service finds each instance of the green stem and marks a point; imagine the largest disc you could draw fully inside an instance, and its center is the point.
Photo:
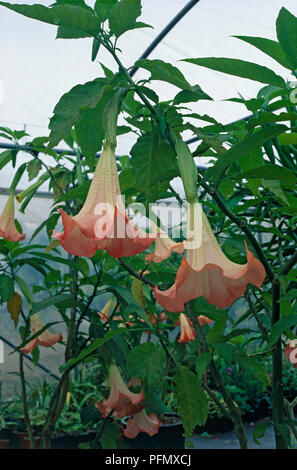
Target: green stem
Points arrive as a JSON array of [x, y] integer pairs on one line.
[[24, 391], [277, 372]]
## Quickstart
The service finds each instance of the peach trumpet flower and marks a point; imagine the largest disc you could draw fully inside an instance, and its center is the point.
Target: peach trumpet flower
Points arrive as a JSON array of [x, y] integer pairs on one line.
[[102, 223], [187, 331], [105, 313], [8, 229], [206, 271], [164, 246], [121, 400], [45, 339], [141, 422]]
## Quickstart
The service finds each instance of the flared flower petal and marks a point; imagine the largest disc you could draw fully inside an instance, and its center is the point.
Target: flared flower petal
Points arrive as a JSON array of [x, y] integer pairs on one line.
[[164, 246], [8, 229], [141, 422], [46, 339], [102, 223], [187, 332], [121, 400], [209, 273]]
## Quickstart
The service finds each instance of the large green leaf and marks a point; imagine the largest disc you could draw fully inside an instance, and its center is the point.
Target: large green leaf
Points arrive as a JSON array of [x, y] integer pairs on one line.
[[65, 32], [53, 300], [98, 343], [6, 287], [240, 68], [244, 147], [267, 117], [90, 130], [146, 361], [5, 157], [103, 8], [253, 366], [280, 327], [165, 72], [123, 16], [269, 47], [192, 401], [287, 139], [272, 172], [69, 16], [286, 28], [154, 165], [69, 109]]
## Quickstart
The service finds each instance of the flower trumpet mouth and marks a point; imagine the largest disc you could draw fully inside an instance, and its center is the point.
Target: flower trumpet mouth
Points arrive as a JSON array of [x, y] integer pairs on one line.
[[102, 223], [206, 271]]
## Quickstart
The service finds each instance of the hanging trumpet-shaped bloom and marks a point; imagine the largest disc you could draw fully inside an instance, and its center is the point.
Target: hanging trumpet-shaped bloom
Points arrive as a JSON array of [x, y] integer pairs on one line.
[[102, 223], [164, 246], [206, 271], [141, 422], [187, 332], [8, 229], [45, 339], [121, 400], [105, 312]]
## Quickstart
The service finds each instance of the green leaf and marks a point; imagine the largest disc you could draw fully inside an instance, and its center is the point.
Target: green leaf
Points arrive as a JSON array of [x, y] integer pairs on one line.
[[189, 96], [90, 129], [275, 188], [153, 164], [281, 326], [269, 47], [103, 8], [25, 290], [95, 48], [65, 32], [69, 16], [5, 157], [286, 28], [6, 287], [166, 72], [69, 109], [272, 172], [90, 415], [252, 365], [240, 68], [146, 361], [192, 402], [259, 431], [202, 362], [98, 343], [110, 435], [123, 16], [53, 300], [225, 350], [244, 147], [267, 117], [33, 168], [288, 139]]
